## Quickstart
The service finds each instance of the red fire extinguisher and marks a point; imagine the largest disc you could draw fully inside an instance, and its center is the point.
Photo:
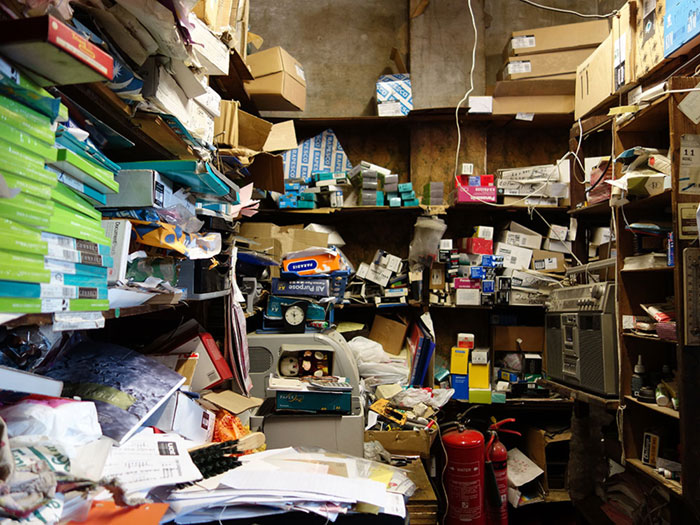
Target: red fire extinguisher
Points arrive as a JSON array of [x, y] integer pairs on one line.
[[496, 475], [464, 476]]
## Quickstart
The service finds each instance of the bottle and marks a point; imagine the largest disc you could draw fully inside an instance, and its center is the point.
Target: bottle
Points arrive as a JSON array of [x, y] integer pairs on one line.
[[638, 377], [663, 399]]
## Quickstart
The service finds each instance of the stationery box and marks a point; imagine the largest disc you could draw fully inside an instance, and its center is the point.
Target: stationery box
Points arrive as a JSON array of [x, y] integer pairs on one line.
[[280, 83], [459, 360], [54, 51], [681, 27], [394, 97], [119, 233], [313, 264], [212, 368], [460, 383], [560, 64], [476, 245], [548, 262], [514, 256], [475, 194], [557, 38], [479, 375], [468, 297], [145, 189], [314, 402], [480, 395], [184, 416]]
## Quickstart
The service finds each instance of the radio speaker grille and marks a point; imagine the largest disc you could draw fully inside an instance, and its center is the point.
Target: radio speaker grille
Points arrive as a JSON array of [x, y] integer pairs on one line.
[[261, 360]]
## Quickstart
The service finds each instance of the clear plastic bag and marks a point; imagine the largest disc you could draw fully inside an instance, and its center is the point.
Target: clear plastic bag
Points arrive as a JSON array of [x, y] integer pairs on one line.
[[424, 247]]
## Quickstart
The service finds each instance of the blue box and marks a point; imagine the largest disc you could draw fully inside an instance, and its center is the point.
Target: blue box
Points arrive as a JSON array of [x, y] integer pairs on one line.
[[507, 375], [303, 287], [680, 26], [394, 202], [314, 402], [306, 205], [408, 195], [395, 88], [461, 385], [475, 180], [477, 272], [411, 202], [405, 186], [488, 286], [287, 201], [492, 261]]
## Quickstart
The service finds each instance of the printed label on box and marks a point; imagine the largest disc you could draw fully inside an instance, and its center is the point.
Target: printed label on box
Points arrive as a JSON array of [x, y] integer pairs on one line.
[[520, 66], [520, 42], [546, 264]]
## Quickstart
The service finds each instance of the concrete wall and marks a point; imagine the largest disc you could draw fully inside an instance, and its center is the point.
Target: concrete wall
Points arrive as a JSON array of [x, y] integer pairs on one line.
[[345, 45]]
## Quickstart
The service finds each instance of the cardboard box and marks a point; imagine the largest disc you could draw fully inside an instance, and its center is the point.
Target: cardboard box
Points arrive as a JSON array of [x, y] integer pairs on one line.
[[537, 441], [475, 245], [594, 79], [556, 38], [479, 376], [556, 65], [514, 256], [539, 105], [623, 33], [468, 297], [460, 383], [555, 245], [459, 360], [389, 333], [548, 262], [212, 368], [119, 233], [184, 416], [505, 338], [465, 194], [649, 36], [210, 51], [526, 298], [480, 395], [280, 83], [681, 27], [405, 442], [51, 49], [394, 97]]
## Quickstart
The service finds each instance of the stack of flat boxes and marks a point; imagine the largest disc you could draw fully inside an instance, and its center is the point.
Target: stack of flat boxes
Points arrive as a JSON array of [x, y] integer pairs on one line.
[[433, 193], [327, 188], [369, 183], [293, 188], [55, 254]]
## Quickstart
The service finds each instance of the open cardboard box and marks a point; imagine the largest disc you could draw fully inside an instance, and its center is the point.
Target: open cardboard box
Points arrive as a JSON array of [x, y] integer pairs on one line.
[[404, 442]]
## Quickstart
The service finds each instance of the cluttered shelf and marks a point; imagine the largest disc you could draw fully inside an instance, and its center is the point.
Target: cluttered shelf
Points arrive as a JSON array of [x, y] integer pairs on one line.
[[648, 270], [271, 213], [656, 408], [578, 395], [599, 209], [115, 313], [649, 338], [673, 486], [590, 125], [660, 200]]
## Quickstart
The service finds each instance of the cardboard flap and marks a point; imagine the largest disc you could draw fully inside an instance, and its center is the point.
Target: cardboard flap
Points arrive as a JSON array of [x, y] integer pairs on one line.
[[233, 402], [267, 171], [282, 137], [389, 333], [252, 131]]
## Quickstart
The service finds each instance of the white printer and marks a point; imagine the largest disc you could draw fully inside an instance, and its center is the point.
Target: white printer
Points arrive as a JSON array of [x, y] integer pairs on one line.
[[332, 432]]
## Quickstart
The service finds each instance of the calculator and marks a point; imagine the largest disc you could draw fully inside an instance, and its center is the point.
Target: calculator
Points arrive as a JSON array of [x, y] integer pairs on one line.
[[338, 386]]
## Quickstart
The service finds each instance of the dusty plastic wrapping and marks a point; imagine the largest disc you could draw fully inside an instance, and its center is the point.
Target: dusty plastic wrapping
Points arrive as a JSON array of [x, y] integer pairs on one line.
[[171, 237], [373, 362], [165, 268], [411, 397], [423, 249], [182, 217]]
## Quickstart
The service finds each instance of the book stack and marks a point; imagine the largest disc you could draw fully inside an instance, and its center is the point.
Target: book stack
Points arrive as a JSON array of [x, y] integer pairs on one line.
[[54, 254]]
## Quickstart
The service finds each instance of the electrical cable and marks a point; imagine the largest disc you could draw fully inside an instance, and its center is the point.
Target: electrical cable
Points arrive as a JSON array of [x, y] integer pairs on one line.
[[469, 91], [569, 11]]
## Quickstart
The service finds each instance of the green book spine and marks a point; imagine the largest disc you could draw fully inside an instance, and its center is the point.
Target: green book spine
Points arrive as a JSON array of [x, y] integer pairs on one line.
[[67, 223], [18, 160], [65, 214], [27, 141], [64, 195], [35, 189], [26, 119], [89, 305], [23, 267], [15, 228], [26, 210], [18, 243], [70, 162]]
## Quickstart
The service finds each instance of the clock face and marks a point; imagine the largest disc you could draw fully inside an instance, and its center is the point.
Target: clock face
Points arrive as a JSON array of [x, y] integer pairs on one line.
[[294, 315]]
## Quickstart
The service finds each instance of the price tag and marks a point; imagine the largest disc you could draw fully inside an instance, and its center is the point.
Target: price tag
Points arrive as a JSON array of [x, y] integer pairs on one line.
[[689, 176]]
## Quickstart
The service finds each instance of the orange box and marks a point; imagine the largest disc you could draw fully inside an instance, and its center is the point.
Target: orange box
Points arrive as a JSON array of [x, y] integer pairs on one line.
[[313, 264]]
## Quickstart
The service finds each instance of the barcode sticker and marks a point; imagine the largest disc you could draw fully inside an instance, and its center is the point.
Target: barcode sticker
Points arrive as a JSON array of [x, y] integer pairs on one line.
[[57, 291], [520, 42], [520, 66]]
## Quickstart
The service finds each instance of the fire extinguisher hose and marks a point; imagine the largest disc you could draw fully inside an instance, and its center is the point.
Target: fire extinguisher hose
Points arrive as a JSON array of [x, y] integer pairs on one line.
[[493, 497]]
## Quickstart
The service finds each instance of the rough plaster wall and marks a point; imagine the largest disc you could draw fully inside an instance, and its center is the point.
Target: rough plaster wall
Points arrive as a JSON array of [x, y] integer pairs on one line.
[[441, 42], [344, 45], [505, 16]]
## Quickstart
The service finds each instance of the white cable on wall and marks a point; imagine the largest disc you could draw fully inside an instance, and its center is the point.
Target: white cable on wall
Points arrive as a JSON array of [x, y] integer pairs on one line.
[[569, 11]]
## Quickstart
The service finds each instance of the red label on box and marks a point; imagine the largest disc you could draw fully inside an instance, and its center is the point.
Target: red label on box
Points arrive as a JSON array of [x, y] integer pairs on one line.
[[466, 283], [478, 246], [476, 194], [487, 180], [71, 42]]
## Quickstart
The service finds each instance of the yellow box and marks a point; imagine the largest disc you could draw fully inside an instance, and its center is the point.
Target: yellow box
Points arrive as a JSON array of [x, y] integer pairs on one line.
[[479, 376], [480, 395], [459, 361]]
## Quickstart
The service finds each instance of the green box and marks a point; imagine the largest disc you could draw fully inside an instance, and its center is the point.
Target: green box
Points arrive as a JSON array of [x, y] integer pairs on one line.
[[67, 197], [15, 159], [85, 171], [480, 396], [89, 305], [23, 267], [27, 141], [35, 189], [314, 402], [19, 243], [27, 210]]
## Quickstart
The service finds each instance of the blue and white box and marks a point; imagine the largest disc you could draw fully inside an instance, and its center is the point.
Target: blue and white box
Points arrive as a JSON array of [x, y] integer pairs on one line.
[[394, 97], [320, 153], [681, 26]]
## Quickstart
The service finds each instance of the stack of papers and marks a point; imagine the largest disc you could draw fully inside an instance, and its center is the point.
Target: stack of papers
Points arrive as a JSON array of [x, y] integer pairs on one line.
[[281, 480]]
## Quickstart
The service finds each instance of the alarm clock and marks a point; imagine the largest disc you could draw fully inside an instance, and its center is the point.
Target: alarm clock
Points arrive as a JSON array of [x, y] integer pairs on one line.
[[294, 317]]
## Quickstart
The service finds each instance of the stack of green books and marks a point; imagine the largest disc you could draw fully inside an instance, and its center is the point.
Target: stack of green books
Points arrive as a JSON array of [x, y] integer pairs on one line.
[[54, 253]]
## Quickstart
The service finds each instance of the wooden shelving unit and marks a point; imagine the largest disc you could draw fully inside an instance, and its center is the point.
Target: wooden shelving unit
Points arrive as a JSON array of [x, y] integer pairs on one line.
[[659, 125]]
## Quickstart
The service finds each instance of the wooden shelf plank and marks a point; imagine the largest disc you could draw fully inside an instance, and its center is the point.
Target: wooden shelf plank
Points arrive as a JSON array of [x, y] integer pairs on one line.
[[673, 486], [651, 118], [579, 395], [656, 408], [649, 338], [592, 210], [646, 270]]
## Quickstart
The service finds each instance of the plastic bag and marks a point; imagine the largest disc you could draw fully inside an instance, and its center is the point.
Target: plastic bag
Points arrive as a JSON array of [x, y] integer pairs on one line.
[[182, 217], [384, 373], [367, 351], [424, 247]]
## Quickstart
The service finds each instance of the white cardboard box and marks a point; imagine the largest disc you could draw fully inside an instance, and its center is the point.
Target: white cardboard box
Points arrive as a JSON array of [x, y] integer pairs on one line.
[[119, 233], [484, 232], [184, 416], [467, 296], [209, 50], [554, 245], [514, 256], [558, 232]]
